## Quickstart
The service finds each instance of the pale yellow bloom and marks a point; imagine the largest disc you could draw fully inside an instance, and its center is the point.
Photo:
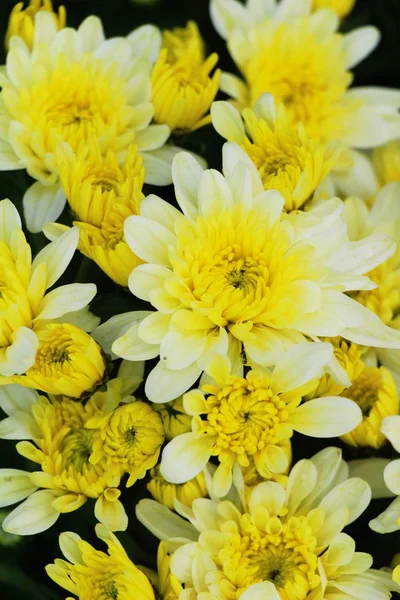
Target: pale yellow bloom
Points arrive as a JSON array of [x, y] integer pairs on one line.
[[22, 20], [249, 419], [286, 158], [340, 7], [280, 544], [183, 87], [166, 492], [27, 311], [375, 393], [102, 194], [75, 86], [236, 274], [75, 463], [93, 574], [386, 162], [174, 418]]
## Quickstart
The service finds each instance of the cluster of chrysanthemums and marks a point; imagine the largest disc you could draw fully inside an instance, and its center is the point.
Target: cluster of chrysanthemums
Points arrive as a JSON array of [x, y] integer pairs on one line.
[[272, 291]]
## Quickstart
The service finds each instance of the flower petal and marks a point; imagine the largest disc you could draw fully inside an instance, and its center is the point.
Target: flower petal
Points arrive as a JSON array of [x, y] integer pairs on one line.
[[162, 522], [34, 515], [184, 457], [57, 255], [15, 485], [42, 204], [164, 385], [299, 365], [326, 417], [148, 239]]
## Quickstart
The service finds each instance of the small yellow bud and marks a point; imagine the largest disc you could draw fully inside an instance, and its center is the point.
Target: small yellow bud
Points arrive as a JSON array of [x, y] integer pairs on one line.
[[22, 20], [341, 7]]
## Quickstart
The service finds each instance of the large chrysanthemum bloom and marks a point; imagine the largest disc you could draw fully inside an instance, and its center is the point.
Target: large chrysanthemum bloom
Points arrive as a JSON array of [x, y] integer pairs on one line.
[[234, 272], [281, 544], [303, 61], [248, 418], [101, 194], [286, 158], [66, 449], [26, 310], [166, 492], [22, 20], [92, 574], [183, 87], [341, 7], [73, 86], [384, 299]]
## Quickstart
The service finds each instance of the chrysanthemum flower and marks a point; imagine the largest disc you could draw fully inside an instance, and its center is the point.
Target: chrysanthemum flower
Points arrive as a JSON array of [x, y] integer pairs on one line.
[[174, 418], [183, 87], [303, 61], [22, 20], [341, 7], [74, 86], [248, 418], [281, 544], [102, 194], [90, 573], [286, 158], [27, 311], [234, 272], [166, 492], [66, 446]]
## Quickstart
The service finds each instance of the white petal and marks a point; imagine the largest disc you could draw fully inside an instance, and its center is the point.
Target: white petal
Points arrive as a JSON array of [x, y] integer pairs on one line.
[[34, 515], [363, 256], [326, 417], [390, 428], [214, 194], [145, 42], [187, 174], [9, 220], [265, 108], [15, 485], [227, 121], [354, 494], [269, 495], [359, 43], [131, 347], [65, 299], [371, 470], [20, 426], [148, 240], [289, 9], [20, 356], [388, 521], [373, 333], [69, 546], [91, 33], [114, 328], [180, 349], [156, 209], [17, 398], [392, 476], [232, 154], [152, 137], [359, 180], [57, 255], [265, 590], [270, 203], [184, 457], [162, 522], [300, 364], [111, 514], [158, 165], [226, 15], [164, 385], [42, 205]]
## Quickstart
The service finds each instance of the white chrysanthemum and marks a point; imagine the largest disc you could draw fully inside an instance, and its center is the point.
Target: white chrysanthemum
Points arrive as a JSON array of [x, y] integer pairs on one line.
[[234, 273], [280, 544], [74, 85]]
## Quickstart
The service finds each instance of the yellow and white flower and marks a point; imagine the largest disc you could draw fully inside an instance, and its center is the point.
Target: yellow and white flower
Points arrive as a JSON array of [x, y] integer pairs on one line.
[[280, 544], [101, 194], [286, 158], [27, 312], [183, 87], [90, 573], [77, 461], [303, 61], [248, 418], [234, 273], [21, 21], [75, 85]]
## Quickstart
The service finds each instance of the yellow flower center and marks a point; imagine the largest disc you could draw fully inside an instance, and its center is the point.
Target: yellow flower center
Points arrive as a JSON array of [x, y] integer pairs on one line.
[[304, 71], [233, 270], [283, 553], [245, 417], [384, 300]]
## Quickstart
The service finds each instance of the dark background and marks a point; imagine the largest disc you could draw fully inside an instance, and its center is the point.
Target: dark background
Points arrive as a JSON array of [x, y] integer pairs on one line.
[[22, 565]]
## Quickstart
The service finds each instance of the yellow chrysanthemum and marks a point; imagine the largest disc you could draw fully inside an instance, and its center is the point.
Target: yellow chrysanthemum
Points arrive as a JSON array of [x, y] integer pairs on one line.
[[95, 575], [130, 438], [183, 88], [286, 158], [340, 7], [349, 358], [22, 20], [303, 61], [68, 362], [168, 585], [166, 492], [75, 86], [236, 273], [280, 544], [102, 194], [249, 419], [174, 418], [376, 394], [26, 310], [77, 459], [386, 162]]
